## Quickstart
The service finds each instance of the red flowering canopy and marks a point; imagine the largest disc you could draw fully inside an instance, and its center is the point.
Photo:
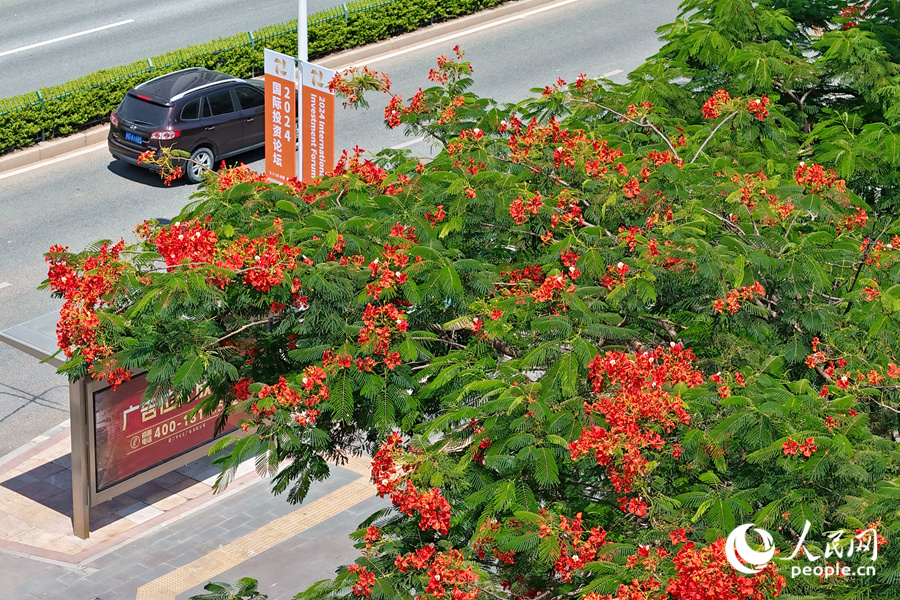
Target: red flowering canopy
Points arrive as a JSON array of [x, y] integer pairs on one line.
[[583, 343]]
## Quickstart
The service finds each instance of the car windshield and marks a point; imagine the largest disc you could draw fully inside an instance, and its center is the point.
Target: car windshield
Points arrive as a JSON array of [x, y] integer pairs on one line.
[[141, 111]]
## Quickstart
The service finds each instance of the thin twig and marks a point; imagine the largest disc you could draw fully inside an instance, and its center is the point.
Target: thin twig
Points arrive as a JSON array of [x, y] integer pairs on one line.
[[240, 329], [712, 133], [730, 225], [791, 226], [642, 123]]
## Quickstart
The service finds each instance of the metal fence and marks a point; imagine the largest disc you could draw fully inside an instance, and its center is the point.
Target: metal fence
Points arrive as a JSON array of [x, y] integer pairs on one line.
[[178, 57]]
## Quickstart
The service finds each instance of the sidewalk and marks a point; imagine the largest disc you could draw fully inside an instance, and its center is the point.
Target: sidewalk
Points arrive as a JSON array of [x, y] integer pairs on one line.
[[168, 538]]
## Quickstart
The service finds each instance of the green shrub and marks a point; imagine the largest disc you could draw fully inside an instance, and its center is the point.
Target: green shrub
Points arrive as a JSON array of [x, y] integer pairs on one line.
[[85, 102]]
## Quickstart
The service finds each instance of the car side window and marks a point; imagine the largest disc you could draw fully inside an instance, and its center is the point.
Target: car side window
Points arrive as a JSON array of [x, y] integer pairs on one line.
[[249, 97], [220, 103], [191, 110]]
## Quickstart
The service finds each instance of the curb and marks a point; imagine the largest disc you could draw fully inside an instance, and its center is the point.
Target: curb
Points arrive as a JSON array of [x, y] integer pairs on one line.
[[96, 135], [53, 148]]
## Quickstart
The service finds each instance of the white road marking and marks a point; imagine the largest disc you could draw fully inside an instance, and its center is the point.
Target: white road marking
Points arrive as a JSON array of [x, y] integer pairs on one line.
[[4, 284], [67, 37], [53, 161], [452, 36], [409, 143], [611, 73]]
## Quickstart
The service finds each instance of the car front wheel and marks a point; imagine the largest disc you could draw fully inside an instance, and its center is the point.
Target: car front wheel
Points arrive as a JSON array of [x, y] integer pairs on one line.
[[201, 162]]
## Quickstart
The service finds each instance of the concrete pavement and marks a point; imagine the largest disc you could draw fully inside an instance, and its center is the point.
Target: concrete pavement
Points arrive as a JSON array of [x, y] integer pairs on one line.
[[167, 539]]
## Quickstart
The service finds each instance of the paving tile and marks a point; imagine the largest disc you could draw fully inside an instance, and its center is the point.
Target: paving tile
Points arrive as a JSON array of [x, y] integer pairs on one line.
[[168, 501], [45, 470], [18, 481], [189, 488], [39, 491], [64, 461], [169, 480], [144, 514], [145, 491], [61, 502], [62, 479]]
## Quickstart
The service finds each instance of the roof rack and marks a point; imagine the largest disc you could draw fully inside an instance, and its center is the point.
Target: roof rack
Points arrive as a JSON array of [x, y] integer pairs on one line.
[[181, 95], [189, 69]]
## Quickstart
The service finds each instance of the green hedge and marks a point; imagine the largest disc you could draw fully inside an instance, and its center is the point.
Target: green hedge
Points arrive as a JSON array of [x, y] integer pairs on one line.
[[85, 102]]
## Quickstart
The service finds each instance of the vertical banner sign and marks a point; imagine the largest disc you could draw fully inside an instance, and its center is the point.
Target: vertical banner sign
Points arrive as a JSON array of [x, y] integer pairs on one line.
[[317, 127], [281, 118]]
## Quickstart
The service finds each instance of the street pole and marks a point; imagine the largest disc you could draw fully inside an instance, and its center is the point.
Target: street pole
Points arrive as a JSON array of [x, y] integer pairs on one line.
[[302, 33], [302, 55]]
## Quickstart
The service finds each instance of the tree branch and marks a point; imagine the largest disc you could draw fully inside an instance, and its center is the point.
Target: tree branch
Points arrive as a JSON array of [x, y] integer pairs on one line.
[[728, 223], [237, 331], [711, 134], [642, 123]]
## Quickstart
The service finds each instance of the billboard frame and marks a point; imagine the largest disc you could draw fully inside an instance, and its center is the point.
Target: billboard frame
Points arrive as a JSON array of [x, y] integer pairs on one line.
[[85, 483]]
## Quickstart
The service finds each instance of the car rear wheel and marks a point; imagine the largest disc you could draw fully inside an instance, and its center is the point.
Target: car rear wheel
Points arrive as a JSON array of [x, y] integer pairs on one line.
[[201, 161]]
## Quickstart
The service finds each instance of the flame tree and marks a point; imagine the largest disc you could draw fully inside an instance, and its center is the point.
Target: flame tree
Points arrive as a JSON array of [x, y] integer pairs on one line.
[[583, 343]]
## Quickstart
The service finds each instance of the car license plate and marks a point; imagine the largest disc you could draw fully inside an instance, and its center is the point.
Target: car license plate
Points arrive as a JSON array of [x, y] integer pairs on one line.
[[132, 137]]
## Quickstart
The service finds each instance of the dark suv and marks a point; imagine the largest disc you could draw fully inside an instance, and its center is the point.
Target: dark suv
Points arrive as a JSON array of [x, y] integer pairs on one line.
[[209, 114]]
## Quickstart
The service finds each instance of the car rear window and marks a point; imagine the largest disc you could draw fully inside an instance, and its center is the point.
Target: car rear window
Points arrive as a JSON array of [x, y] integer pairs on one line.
[[141, 111]]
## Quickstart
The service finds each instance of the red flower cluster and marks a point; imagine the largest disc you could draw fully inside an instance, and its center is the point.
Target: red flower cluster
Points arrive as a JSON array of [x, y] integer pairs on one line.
[[357, 81], [632, 189], [854, 11], [367, 171], [263, 260], [391, 479], [380, 323], [857, 220], [365, 580], [185, 242], [758, 108], [551, 289], [815, 178], [732, 301], [807, 448], [711, 107], [227, 178], [615, 276], [301, 405], [386, 270], [438, 215], [85, 287], [485, 542], [705, 574], [518, 207], [574, 551], [634, 404], [661, 158], [447, 571]]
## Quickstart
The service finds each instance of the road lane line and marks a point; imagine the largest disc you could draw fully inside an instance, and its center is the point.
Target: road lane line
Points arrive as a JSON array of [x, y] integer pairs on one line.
[[67, 37], [4, 284], [611, 73], [53, 161], [453, 36], [409, 143]]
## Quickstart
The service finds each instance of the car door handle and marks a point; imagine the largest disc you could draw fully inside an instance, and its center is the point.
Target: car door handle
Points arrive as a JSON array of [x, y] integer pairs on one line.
[[248, 120], [210, 128]]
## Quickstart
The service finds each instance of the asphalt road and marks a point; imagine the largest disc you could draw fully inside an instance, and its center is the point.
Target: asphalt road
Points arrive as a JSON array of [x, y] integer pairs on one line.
[[49, 42], [89, 196]]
